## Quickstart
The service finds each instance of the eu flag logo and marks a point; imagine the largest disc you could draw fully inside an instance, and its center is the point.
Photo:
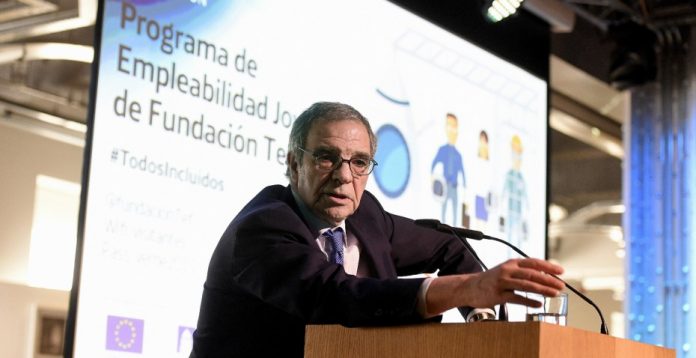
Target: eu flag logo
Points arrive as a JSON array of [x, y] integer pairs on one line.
[[124, 334]]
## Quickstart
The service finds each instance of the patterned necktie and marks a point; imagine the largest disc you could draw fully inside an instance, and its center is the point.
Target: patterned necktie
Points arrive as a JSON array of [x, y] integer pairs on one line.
[[335, 239]]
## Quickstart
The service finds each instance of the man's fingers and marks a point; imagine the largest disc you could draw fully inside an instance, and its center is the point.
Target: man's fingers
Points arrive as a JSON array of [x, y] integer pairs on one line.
[[538, 277], [530, 286], [540, 265], [532, 281], [521, 275]]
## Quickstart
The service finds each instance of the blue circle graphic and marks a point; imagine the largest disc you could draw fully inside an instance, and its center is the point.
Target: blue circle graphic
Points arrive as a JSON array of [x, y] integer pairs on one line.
[[394, 162]]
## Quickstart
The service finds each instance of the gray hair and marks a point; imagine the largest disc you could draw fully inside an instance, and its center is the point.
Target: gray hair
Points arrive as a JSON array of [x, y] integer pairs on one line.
[[324, 112]]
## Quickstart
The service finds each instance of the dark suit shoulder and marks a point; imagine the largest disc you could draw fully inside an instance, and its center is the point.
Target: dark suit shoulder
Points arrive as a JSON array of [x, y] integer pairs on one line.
[[272, 213], [371, 216], [274, 206], [269, 195], [369, 207]]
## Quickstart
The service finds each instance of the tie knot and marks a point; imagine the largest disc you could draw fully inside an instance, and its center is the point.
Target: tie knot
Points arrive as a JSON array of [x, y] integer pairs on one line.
[[335, 239], [337, 232]]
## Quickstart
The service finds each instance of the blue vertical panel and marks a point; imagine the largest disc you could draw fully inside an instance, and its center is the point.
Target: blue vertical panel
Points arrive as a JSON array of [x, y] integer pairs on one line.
[[645, 274], [689, 214], [690, 179], [682, 207], [659, 214], [679, 99], [671, 290]]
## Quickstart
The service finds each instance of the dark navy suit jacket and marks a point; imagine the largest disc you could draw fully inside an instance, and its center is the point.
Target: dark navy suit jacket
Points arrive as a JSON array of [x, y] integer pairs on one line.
[[267, 277]]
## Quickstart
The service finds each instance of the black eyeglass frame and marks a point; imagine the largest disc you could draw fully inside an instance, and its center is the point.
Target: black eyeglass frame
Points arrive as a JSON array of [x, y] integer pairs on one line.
[[338, 161]]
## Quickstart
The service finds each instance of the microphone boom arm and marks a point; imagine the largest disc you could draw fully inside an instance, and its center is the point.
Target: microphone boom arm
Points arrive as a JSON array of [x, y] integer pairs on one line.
[[603, 328], [462, 234]]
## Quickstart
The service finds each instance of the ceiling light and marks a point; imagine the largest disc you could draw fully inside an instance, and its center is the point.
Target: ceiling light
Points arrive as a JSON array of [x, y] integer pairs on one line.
[[557, 212], [497, 10]]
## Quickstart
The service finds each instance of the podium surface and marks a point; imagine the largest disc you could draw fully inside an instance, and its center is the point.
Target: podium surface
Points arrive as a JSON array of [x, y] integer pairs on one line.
[[481, 339]]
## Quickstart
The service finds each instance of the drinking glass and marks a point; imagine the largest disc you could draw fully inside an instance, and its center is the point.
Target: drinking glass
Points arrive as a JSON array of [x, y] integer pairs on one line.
[[553, 310]]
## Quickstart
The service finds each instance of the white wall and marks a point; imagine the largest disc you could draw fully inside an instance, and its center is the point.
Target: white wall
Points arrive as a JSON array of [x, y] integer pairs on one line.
[[18, 305], [24, 154], [582, 315]]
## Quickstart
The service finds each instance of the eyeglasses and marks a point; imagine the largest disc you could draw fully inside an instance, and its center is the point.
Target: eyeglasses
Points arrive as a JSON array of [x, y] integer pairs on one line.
[[328, 162]]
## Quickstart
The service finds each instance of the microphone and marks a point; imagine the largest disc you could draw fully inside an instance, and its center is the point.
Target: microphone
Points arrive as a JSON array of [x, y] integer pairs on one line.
[[478, 235], [437, 225]]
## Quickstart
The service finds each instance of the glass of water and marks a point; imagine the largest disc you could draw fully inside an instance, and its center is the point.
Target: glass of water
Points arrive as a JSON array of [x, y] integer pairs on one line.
[[553, 310]]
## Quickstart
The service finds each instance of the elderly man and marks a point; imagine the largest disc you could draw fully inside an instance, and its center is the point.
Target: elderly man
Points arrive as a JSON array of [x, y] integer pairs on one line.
[[323, 250]]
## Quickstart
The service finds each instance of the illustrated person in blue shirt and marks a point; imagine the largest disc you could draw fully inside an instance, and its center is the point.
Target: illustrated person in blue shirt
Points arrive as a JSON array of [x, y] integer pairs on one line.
[[515, 197], [453, 166]]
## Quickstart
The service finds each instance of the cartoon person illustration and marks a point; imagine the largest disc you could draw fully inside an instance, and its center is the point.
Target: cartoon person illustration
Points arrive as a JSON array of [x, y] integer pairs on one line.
[[484, 195], [452, 166], [483, 145], [515, 197]]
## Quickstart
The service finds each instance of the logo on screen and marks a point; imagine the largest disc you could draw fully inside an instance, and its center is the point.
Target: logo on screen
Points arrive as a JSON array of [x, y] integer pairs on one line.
[[394, 161], [124, 334]]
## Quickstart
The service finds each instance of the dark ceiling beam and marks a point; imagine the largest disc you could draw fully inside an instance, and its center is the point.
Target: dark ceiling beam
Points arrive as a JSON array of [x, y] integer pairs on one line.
[[588, 115]]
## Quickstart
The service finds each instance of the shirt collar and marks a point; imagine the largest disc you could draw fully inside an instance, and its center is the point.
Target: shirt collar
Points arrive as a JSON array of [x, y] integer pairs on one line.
[[316, 224]]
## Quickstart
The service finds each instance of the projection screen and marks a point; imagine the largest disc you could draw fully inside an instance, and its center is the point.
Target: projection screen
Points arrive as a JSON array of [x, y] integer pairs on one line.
[[193, 105]]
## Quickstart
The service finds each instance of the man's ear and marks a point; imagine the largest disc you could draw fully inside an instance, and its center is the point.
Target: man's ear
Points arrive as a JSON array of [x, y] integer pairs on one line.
[[292, 166]]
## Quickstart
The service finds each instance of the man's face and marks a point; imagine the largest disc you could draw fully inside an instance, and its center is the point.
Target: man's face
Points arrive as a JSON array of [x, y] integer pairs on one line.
[[516, 156], [452, 130], [335, 195]]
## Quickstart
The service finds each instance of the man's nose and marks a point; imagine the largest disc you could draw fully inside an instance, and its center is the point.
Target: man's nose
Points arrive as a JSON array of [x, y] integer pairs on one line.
[[343, 173]]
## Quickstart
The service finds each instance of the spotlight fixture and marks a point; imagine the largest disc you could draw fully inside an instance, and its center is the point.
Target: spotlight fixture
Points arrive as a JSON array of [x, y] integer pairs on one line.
[[497, 10]]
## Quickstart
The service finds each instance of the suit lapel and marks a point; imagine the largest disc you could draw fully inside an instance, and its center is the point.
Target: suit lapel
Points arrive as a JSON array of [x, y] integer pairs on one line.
[[287, 197], [375, 248]]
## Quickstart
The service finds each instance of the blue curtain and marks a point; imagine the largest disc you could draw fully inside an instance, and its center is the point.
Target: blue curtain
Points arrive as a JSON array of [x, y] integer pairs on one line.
[[660, 202]]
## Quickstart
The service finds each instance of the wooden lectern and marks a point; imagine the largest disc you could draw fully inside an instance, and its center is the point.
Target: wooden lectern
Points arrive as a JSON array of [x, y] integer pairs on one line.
[[481, 339]]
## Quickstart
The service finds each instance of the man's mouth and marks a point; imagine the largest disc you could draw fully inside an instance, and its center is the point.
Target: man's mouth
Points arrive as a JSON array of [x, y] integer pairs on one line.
[[337, 196]]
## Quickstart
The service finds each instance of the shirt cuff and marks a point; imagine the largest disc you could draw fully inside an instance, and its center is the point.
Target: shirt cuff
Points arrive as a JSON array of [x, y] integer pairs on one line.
[[422, 305]]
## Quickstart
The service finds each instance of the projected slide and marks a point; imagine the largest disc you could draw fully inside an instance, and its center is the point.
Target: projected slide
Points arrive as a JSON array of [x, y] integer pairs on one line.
[[194, 104]]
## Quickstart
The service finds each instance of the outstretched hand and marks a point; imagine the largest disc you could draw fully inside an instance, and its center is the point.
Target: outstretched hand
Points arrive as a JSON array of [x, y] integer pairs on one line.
[[495, 286], [498, 285]]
